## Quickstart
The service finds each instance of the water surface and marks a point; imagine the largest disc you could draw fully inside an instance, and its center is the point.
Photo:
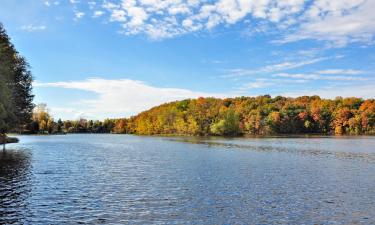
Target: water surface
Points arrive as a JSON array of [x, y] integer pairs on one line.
[[160, 180]]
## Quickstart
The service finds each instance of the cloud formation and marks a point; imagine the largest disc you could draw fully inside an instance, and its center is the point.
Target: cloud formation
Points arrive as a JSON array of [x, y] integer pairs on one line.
[[360, 91], [79, 15], [304, 76], [342, 71], [338, 22], [118, 98], [168, 18], [98, 13], [286, 65], [33, 28]]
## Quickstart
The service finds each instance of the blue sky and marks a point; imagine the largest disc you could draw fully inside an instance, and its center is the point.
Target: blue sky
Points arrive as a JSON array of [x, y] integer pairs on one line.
[[113, 58]]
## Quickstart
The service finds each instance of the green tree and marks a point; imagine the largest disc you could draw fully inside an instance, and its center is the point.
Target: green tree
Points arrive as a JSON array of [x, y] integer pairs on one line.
[[228, 126], [15, 88], [60, 125]]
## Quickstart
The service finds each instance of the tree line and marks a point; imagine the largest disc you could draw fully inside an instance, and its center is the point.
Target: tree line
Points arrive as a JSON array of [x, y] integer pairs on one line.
[[16, 98], [43, 123], [262, 115]]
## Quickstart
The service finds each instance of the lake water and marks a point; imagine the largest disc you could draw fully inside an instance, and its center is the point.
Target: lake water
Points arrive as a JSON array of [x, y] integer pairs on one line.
[[123, 179]]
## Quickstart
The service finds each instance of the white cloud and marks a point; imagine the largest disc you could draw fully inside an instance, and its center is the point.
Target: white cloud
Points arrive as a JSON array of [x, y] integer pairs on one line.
[[337, 22], [118, 15], [138, 15], [258, 83], [264, 84], [92, 5], [273, 68], [33, 28], [62, 112], [117, 98], [184, 16], [49, 3], [79, 15], [357, 90], [187, 23], [98, 13], [291, 65], [319, 77], [342, 72]]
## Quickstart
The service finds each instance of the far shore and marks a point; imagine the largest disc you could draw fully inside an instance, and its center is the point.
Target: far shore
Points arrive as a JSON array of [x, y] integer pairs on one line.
[[295, 135]]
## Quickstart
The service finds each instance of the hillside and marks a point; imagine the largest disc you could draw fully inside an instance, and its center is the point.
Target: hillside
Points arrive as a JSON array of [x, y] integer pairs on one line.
[[255, 116]]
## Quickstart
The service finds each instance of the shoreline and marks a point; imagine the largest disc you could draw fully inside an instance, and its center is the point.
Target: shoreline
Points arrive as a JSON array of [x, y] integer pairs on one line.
[[10, 140], [311, 135]]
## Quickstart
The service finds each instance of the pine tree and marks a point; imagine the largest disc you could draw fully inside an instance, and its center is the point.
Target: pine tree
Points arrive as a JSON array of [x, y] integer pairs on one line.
[[15, 87]]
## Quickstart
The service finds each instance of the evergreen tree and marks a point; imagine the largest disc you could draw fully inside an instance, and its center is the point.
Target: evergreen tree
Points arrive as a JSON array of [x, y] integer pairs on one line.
[[22, 92], [15, 87]]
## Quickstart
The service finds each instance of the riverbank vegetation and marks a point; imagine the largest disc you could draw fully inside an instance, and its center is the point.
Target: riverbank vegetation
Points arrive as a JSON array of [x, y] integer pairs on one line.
[[43, 123], [15, 88], [262, 115]]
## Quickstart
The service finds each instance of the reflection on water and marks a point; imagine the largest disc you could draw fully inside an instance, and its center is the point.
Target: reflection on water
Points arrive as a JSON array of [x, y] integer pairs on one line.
[[15, 185], [122, 179], [294, 146]]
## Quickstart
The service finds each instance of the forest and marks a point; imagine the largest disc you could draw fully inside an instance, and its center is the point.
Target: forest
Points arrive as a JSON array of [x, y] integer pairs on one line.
[[262, 115]]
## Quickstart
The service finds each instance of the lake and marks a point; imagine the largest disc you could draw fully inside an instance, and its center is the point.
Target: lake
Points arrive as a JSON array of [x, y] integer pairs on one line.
[[124, 179]]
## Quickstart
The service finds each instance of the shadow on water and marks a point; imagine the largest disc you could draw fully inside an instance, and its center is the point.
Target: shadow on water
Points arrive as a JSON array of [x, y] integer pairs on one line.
[[319, 152], [15, 187]]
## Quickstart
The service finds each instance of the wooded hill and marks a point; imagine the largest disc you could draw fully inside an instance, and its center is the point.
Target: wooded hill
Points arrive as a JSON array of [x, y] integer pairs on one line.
[[254, 115], [260, 115]]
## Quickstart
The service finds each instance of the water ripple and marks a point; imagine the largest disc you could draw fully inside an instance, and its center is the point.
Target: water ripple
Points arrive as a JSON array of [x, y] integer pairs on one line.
[[121, 179]]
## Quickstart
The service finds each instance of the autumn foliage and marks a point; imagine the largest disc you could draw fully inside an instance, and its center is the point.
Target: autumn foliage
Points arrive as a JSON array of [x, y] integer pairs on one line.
[[254, 116], [260, 115]]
